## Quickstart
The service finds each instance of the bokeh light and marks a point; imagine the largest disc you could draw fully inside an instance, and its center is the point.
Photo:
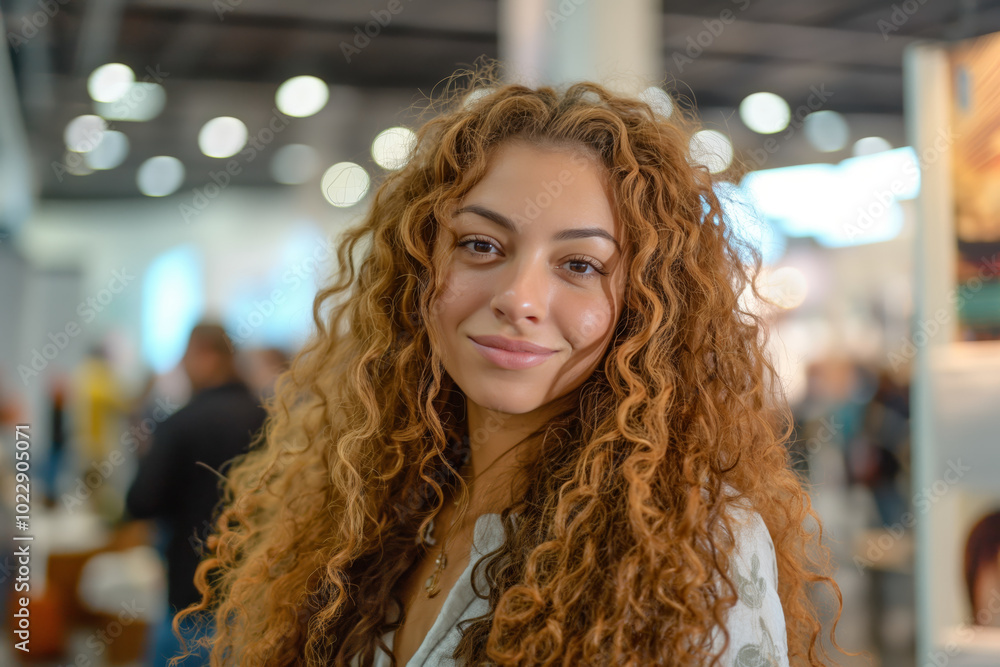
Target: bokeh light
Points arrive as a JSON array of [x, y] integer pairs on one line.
[[765, 113], [391, 148], [222, 137], [83, 133], [827, 131], [160, 176], [110, 152], [109, 83], [302, 96], [712, 149], [344, 184]]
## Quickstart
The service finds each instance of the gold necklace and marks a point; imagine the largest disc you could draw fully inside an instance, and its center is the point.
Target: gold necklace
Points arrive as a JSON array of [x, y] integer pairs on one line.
[[432, 586]]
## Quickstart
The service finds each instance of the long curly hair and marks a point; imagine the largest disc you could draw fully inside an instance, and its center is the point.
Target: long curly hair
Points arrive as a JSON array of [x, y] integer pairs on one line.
[[618, 549]]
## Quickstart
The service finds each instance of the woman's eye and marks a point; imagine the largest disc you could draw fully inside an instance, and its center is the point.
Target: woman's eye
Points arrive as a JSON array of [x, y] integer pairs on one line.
[[597, 271], [482, 247], [477, 246], [585, 265]]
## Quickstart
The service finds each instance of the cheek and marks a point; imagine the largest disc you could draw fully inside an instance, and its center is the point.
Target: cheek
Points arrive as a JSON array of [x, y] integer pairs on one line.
[[459, 298], [588, 324]]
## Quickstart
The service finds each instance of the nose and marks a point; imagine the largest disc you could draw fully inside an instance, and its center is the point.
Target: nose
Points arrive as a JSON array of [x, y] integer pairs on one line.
[[521, 290]]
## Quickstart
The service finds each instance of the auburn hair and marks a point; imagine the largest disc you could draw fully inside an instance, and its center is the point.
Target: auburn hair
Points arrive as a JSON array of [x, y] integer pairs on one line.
[[982, 550], [620, 549]]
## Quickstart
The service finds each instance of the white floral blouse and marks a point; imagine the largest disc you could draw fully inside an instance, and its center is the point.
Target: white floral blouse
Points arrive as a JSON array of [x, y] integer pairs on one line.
[[756, 623]]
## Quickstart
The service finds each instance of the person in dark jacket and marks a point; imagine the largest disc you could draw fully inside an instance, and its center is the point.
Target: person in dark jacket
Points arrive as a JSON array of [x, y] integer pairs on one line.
[[172, 483]]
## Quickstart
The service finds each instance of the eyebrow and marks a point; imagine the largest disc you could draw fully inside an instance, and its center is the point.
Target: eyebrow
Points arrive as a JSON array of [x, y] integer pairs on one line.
[[566, 234]]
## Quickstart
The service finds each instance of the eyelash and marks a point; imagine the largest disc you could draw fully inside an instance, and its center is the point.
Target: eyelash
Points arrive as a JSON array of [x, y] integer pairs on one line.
[[600, 271]]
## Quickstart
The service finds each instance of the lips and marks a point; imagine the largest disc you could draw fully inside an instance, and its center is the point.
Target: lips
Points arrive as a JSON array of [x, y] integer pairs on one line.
[[502, 343], [528, 356]]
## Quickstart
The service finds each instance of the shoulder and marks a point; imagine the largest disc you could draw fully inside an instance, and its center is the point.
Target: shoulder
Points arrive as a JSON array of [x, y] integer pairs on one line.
[[233, 399], [752, 538], [756, 623], [173, 424]]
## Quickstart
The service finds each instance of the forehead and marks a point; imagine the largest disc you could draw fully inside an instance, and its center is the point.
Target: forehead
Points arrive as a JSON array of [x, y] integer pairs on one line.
[[549, 185]]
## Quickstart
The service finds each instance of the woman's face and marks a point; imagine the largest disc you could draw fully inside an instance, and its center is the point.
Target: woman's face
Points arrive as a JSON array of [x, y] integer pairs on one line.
[[534, 260], [987, 594]]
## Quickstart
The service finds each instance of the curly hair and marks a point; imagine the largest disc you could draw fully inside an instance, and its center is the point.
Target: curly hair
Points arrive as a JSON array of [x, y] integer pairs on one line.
[[620, 549]]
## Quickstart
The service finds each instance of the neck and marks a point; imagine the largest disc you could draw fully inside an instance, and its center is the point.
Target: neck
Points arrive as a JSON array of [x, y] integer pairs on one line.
[[498, 456]]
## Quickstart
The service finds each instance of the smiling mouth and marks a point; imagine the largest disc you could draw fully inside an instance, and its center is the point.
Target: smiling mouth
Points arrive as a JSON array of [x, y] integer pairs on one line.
[[511, 360]]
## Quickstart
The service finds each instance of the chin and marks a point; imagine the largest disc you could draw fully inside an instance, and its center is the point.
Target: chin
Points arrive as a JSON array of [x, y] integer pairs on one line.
[[503, 402]]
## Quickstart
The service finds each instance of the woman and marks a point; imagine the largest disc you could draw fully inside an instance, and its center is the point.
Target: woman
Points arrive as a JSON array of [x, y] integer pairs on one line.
[[611, 488], [982, 570]]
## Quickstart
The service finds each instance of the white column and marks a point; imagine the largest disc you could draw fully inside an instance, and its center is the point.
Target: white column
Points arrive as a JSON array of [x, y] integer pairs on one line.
[[556, 42], [926, 76]]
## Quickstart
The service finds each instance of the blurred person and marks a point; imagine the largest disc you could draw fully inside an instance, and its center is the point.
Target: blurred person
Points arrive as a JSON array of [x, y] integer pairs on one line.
[[99, 407], [144, 410], [982, 570], [11, 409], [57, 442], [172, 485], [876, 454], [154, 403], [264, 365], [533, 426], [830, 414]]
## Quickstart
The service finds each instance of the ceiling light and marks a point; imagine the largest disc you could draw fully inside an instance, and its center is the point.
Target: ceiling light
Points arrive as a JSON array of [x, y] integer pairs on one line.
[[391, 148], [160, 176], [222, 137], [302, 96], [712, 149], [827, 131], [765, 113], [109, 83], [344, 184]]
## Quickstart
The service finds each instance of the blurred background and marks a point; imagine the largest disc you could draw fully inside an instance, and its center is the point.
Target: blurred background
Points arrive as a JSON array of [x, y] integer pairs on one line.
[[175, 174]]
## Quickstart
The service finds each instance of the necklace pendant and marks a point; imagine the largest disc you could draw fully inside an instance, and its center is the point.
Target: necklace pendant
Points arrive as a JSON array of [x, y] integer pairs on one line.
[[431, 586]]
